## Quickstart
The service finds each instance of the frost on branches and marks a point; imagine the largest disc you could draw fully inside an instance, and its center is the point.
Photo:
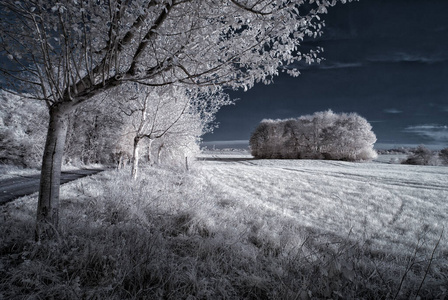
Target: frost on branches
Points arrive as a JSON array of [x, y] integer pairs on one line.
[[167, 121], [65, 52], [69, 50], [323, 135]]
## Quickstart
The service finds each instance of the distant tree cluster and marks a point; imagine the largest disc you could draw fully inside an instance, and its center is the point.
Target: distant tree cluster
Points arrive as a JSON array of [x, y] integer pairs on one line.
[[444, 156], [323, 135], [427, 157]]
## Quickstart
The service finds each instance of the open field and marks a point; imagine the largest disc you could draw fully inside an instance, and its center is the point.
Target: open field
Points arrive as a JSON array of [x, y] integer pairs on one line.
[[388, 204], [237, 228]]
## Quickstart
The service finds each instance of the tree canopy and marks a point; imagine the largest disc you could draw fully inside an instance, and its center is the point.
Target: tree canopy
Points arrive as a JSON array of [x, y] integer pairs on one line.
[[323, 135], [74, 49]]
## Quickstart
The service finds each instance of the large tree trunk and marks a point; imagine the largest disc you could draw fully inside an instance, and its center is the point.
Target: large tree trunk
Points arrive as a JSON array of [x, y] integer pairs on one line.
[[135, 158], [50, 179]]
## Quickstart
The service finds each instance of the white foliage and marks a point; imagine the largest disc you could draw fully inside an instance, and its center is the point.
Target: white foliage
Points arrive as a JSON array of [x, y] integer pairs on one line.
[[69, 49], [22, 130], [95, 131], [167, 121], [321, 135]]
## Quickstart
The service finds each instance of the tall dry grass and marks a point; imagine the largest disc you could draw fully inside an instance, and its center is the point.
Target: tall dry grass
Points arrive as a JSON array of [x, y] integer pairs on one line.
[[173, 235]]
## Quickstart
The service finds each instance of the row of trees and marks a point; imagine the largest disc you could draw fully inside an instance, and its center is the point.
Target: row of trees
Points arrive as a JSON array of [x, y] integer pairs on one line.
[[167, 123], [69, 52], [92, 135], [168, 120], [323, 135]]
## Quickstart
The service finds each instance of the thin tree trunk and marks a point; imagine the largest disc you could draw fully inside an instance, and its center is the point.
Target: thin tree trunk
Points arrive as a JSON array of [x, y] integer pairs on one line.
[[135, 159], [50, 179], [159, 151], [120, 161], [150, 150]]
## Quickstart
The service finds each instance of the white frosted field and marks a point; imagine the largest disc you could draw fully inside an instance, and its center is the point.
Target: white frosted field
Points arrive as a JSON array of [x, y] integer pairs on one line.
[[394, 208], [233, 227]]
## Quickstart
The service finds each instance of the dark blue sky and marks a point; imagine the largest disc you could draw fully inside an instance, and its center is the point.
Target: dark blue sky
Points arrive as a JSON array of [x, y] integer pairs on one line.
[[387, 60]]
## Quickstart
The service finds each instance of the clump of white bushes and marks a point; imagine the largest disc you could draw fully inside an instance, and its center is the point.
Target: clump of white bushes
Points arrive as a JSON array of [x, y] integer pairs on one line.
[[323, 135]]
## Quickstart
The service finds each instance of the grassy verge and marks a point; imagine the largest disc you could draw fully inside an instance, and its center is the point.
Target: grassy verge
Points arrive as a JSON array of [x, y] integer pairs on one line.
[[172, 235]]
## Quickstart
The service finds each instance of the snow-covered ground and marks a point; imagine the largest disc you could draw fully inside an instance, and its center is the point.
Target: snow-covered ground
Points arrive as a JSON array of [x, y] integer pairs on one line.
[[392, 207]]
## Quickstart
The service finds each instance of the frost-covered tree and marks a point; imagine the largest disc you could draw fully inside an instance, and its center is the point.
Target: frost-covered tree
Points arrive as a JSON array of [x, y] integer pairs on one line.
[[95, 129], [349, 137], [259, 139], [167, 118], [180, 144], [267, 140], [293, 137], [66, 52], [321, 135], [318, 133], [22, 130]]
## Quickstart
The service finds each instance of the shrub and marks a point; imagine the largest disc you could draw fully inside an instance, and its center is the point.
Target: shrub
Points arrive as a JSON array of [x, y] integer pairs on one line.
[[443, 155], [421, 156]]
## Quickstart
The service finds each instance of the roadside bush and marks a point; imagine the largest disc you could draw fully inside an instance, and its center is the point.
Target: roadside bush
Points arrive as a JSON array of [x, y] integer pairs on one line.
[[323, 135]]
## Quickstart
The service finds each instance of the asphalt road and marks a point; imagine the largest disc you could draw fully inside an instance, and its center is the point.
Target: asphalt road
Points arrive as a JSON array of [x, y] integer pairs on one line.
[[13, 188]]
